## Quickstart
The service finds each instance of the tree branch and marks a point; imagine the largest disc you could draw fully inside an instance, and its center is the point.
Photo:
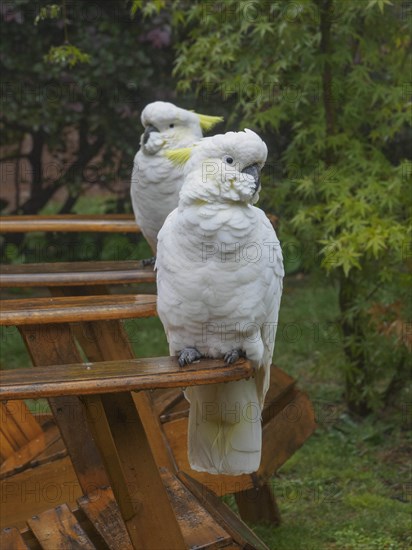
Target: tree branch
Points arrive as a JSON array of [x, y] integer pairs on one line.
[[326, 12]]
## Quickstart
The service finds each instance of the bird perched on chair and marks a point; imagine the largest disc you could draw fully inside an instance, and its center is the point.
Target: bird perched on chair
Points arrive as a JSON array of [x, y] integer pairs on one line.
[[156, 181], [219, 281]]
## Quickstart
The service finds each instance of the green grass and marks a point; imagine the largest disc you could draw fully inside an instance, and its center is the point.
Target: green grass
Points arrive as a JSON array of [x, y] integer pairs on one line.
[[349, 486]]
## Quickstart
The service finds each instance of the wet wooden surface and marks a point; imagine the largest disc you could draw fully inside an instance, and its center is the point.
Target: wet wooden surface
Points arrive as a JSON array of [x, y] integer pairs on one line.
[[17, 428], [135, 479], [10, 539], [239, 531], [198, 526], [34, 452], [35, 490], [107, 223], [103, 513], [47, 348], [75, 274], [58, 529], [115, 376], [76, 309]]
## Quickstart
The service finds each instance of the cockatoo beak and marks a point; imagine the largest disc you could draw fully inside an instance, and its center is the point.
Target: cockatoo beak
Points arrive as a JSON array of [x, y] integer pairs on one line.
[[147, 133], [207, 121], [253, 170]]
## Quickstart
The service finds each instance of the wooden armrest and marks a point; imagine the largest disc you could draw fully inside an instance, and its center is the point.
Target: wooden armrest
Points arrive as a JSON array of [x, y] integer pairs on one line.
[[117, 376], [111, 223], [72, 309], [75, 274]]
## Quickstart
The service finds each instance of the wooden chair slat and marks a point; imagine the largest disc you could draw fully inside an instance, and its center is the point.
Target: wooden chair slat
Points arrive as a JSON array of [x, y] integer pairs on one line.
[[107, 223], [133, 472], [115, 376], [75, 274], [18, 413], [58, 529], [48, 347], [29, 453], [239, 531], [258, 504], [6, 448], [10, 539], [74, 309], [35, 490], [285, 433], [103, 513], [164, 401], [10, 427], [198, 527], [53, 451]]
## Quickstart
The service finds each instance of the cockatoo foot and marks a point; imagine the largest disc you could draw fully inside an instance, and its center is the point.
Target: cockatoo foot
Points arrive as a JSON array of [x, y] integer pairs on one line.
[[233, 355], [149, 261], [188, 355]]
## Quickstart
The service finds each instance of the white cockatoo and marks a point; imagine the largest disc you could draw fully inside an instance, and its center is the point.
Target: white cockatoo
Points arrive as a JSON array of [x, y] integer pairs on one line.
[[220, 272], [156, 181]]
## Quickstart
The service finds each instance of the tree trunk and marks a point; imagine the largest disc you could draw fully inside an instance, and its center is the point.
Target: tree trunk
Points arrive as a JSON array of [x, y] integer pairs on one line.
[[357, 376]]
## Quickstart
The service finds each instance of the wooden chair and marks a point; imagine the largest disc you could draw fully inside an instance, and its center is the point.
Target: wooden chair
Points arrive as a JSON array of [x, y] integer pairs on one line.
[[127, 500], [288, 418]]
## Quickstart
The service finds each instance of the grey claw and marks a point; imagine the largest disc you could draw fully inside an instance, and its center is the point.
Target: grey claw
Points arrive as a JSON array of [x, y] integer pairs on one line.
[[233, 355], [149, 261], [188, 355]]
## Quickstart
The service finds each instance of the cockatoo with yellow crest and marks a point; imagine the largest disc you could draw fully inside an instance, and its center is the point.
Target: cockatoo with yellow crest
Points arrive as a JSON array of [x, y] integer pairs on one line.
[[219, 276], [156, 181]]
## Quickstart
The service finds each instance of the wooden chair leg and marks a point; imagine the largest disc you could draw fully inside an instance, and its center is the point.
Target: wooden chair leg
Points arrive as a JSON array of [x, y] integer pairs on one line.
[[258, 504], [53, 345], [134, 475], [105, 341]]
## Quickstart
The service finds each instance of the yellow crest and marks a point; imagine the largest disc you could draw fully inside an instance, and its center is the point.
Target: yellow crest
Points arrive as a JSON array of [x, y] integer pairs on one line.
[[179, 156], [207, 121]]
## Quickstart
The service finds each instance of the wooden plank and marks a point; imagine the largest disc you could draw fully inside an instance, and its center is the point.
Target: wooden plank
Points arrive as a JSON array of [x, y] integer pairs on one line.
[[239, 531], [37, 489], [58, 529], [146, 505], [75, 273], [29, 452], [18, 412], [49, 347], [258, 505], [103, 512], [10, 427], [100, 427], [107, 223], [10, 539], [284, 434], [165, 400], [54, 451], [75, 309], [280, 392], [115, 376], [6, 448], [199, 528]]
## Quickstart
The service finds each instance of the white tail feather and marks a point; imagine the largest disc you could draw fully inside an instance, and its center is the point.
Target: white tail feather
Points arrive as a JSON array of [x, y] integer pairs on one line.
[[225, 435]]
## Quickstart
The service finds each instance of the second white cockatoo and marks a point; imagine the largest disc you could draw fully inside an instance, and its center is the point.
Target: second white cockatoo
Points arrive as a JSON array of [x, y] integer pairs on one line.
[[156, 181], [219, 280]]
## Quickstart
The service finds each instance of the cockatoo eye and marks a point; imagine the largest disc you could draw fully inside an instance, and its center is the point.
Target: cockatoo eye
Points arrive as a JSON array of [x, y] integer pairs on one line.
[[227, 159], [171, 125]]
